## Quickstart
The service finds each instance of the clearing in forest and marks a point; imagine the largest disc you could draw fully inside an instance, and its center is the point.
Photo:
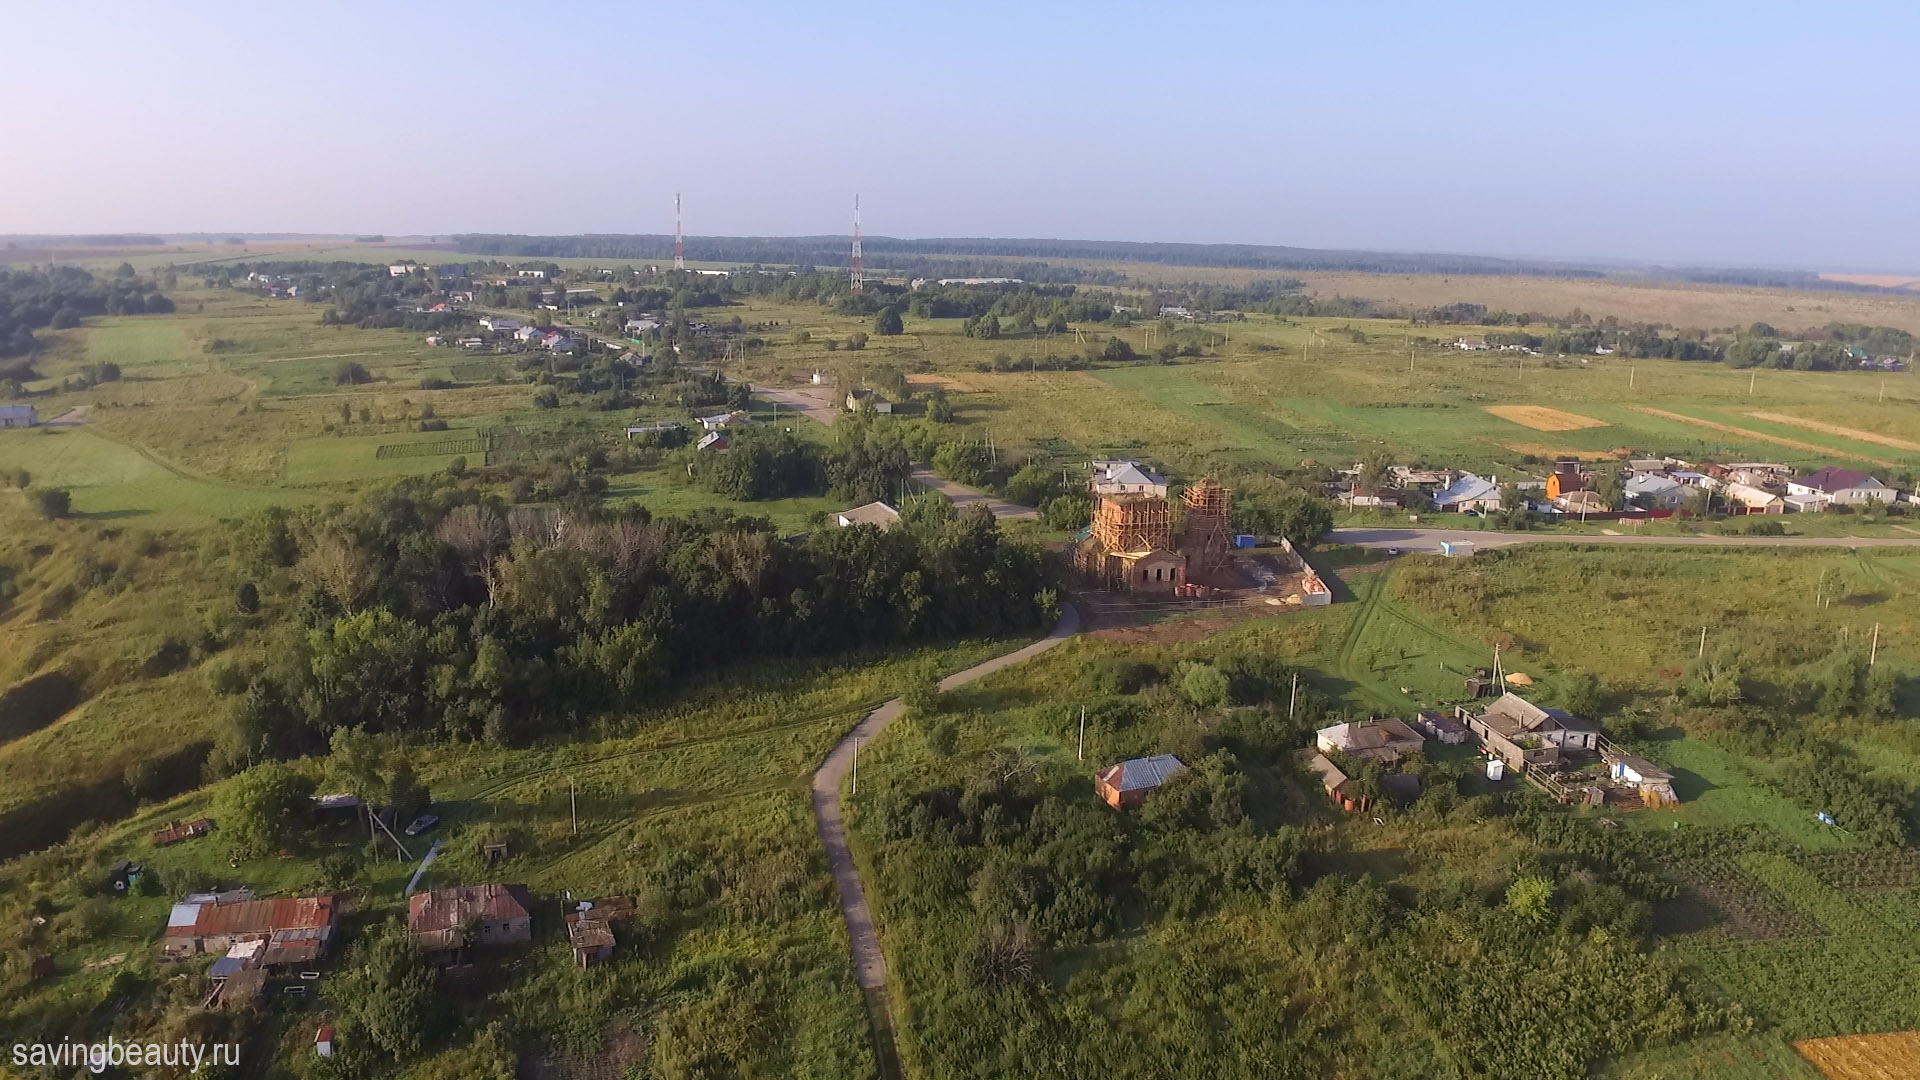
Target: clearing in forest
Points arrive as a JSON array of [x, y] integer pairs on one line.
[[1894, 1055], [1542, 418], [1836, 429], [1749, 433]]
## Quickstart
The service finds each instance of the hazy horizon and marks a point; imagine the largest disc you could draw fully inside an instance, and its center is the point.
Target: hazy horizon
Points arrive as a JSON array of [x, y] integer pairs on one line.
[[1724, 135]]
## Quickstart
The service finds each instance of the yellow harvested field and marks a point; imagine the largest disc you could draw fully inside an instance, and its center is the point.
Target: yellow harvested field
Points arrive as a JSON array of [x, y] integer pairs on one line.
[[1836, 429], [1891, 1056], [1541, 418], [1749, 433], [1884, 281]]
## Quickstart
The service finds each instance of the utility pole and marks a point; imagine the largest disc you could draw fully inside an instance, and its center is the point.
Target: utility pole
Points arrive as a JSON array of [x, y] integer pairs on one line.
[[573, 799], [1703, 644], [1294, 696], [1752, 379], [1631, 372], [856, 765], [1873, 653], [1082, 754]]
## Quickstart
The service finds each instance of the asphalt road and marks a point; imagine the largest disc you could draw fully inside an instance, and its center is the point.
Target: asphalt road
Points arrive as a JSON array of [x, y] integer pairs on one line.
[[869, 963], [1428, 540]]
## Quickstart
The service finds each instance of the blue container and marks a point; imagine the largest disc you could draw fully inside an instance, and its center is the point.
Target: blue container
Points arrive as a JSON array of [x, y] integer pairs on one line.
[[1245, 540]]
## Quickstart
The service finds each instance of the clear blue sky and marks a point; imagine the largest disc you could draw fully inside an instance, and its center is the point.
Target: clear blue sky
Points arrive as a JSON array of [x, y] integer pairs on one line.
[[1755, 132]]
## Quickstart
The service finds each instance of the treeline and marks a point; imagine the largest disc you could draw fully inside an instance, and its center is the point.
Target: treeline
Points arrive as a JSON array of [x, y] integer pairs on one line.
[[59, 298], [1829, 348], [433, 610], [834, 251], [355, 294]]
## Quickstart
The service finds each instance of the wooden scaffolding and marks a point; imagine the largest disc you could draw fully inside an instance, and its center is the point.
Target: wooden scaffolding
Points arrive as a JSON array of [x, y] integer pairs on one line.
[[1127, 523], [1205, 536]]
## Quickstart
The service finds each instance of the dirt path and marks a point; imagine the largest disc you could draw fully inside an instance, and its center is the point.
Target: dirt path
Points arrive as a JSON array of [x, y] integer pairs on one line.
[[962, 496], [1836, 429], [869, 963]]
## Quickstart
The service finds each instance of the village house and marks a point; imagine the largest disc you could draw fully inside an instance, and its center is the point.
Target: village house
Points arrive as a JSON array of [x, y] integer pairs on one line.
[[1125, 786], [714, 441], [18, 416], [877, 514], [1567, 477], [1647, 466], [641, 326], [295, 929], [499, 325], [1385, 741], [1126, 478], [446, 921], [1521, 733], [722, 420], [1656, 492], [1469, 492], [1747, 499], [1408, 478], [1847, 487], [1581, 502]]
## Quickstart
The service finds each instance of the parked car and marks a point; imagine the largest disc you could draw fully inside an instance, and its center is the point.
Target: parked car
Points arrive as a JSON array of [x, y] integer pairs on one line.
[[422, 824], [1393, 551]]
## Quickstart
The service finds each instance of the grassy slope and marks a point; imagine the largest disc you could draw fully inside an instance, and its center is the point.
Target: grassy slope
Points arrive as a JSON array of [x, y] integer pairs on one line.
[[719, 776]]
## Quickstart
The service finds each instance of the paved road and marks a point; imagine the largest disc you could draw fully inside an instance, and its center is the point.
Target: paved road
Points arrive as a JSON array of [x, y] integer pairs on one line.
[[1428, 540], [869, 964], [963, 496]]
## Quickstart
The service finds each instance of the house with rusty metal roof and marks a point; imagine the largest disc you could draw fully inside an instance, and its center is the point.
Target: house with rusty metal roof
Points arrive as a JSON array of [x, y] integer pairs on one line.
[[446, 920], [302, 927]]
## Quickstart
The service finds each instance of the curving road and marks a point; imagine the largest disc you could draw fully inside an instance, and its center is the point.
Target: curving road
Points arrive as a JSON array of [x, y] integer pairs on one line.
[[869, 963], [1428, 540]]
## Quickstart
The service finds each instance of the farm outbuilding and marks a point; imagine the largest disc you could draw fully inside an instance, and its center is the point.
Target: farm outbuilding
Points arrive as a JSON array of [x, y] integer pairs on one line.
[[1654, 784], [591, 938], [12, 416], [1125, 786], [1450, 730]]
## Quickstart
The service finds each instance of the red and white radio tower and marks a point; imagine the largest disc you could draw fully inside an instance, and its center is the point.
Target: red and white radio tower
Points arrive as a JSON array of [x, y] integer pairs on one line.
[[679, 253], [859, 278]]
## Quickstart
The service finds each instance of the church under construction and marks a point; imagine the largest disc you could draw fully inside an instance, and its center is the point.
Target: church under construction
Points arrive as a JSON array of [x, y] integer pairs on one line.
[[1133, 545]]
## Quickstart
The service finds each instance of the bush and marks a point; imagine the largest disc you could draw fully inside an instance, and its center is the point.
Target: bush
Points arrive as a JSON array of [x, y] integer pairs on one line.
[[53, 502], [22, 479], [1204, 685], [434, 382], [351, 372], [458, 466], [247, 598], [433, 425]]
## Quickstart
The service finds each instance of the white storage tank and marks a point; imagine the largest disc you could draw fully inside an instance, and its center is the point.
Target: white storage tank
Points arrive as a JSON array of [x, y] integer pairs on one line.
[[1496, 769]]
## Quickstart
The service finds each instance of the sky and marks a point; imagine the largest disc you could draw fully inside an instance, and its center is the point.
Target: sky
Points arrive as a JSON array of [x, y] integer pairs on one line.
[[1753, 133]]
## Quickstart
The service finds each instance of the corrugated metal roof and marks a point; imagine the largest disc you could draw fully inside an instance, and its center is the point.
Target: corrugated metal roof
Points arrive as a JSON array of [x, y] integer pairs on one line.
[[251, 916], [1147, 772], [443, 909]]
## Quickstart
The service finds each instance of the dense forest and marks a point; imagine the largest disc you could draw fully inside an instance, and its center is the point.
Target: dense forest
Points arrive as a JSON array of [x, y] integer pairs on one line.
[[59, 298], [433, 610]]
